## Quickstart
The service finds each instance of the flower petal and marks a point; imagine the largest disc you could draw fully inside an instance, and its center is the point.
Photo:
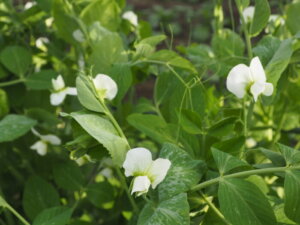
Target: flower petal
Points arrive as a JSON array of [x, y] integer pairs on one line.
[[58, 83], [268, 89], [256, 89], [257, 71], [137, 162], [40, 147], [104, 84], [71, 91], [78, 35], [131, 17], [140, 185], [58, 97], [159, 170], [238, 79], [52, 139], [248, 13]]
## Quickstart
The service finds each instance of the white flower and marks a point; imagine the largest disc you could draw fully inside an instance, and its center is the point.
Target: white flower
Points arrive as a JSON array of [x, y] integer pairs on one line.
[[105, 86], [248, 13], [49, 21], [42, 145], [139, 163], [78, 35], [242, 78], [40, 43], [60, 91], [131, 17], [28, 5]]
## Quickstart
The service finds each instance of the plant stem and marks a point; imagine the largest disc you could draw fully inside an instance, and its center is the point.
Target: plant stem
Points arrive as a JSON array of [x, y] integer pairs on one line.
[[243, 174], [12, 82], [215, 209], [13, 211]]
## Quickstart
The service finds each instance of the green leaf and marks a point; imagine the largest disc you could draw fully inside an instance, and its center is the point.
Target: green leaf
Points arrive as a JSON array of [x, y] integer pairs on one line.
[[173, 59], [104, 132], [276, 158], [226, 162], [173, 211], [293, 17], [281, 217], [279, 61], [232, 146], [38, 195], [107, 49], [14, 126], [63, 21], [40, 80], [184, 173], [60, 215], [292, 193], [68, 176], [101, 194], [291, 155], [190, 121], [222, 127], [261, 16], [104, 11], [152, 125], [259, 182], [16, 59], [242, 201], [146, 47], [86, 95]]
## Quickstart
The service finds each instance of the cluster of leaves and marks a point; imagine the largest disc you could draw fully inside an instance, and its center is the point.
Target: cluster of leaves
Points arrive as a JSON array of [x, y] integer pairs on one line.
[[227, 166]]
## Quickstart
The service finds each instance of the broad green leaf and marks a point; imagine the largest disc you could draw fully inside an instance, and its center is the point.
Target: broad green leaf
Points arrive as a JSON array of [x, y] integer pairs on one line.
[[86, 95], [261, 16], [104, 11], [190, 121], [173, 59], [276, 158], [59, 215], [281, 217], [107, 49], [226, 162], [242, 201], [68, 176], [222, 127], [291, 155], [101, 194], [14, 126], [184, 173], [4, 107], [63, 20], [152, 125], [16, 59], [259, 182], [40, 80], [173, 211], [279, 61], [38, 195], [43, 116], [232, 146], [104, 132], [292, 193], [293, 17]]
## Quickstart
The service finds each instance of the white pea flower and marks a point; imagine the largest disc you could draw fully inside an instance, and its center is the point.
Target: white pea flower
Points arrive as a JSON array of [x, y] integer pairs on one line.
[[29, 4], [60, 91], [248, 13], [131, 17], [42, 145], [242, 78], [146, 172], [49, 21], [40, 43], [78, 35], [105, 86]]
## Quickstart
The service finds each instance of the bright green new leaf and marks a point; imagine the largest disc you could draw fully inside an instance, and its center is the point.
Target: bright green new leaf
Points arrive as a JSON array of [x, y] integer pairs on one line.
[[104, 132], [104, 11], [184, 173], [16, 59], [243, 203], [59, 215], [292, 193], [293, 17], [101, 194], [173, 211], [38, 195], [261, 16], [226, 162], [87, 95], [68, 176], [40, 80], [14, 126]]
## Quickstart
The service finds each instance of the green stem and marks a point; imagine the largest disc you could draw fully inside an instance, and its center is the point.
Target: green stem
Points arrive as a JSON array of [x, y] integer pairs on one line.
[[12, 82], [243, 174], [280, 124], [215, 209], [13, 211]]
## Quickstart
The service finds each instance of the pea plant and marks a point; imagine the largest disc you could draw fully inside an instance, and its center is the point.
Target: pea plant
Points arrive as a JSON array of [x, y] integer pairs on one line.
[[81, 144]]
